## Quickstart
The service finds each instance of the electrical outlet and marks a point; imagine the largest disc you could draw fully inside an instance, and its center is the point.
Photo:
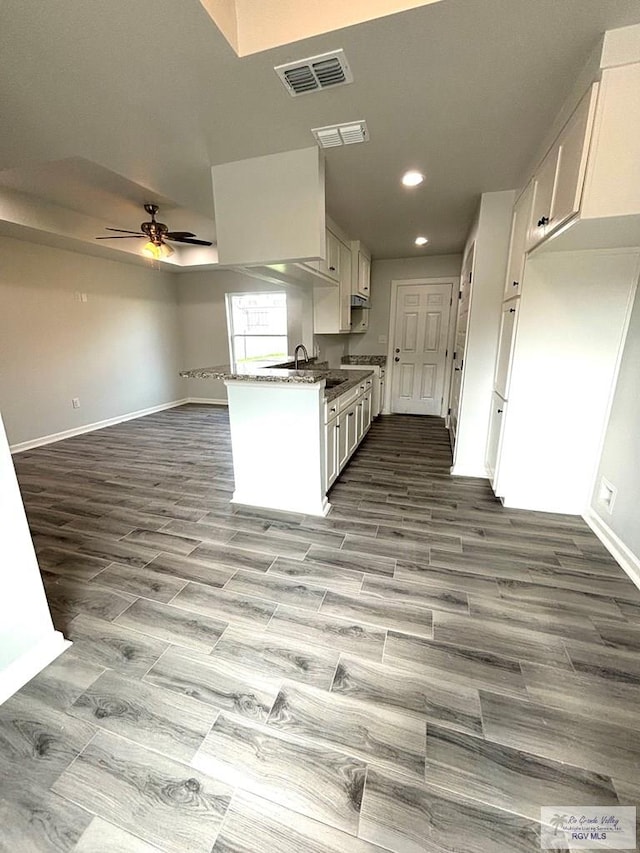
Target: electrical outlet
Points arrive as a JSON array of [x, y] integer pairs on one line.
[[607, 495], [75, 402]]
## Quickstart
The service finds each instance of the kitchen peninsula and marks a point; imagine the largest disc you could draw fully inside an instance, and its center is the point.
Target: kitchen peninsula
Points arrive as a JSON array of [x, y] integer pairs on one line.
[[292, 431]]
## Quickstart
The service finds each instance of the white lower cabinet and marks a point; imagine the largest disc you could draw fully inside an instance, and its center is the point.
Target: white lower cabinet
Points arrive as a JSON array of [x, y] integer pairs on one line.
[[348, 418], [496, 420], [342, 440], [331, 451]]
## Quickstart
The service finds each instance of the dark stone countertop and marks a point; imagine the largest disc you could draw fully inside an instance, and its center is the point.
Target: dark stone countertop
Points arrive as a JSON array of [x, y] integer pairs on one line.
[[339, 380], [380, 360]]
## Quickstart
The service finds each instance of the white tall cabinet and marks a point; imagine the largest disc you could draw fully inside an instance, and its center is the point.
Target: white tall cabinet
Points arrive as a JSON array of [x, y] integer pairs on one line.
[[571, 279]]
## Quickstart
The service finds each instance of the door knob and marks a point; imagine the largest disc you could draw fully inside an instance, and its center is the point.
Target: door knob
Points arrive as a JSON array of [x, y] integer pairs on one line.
[[397, 350], [396, 359], [544, 220]]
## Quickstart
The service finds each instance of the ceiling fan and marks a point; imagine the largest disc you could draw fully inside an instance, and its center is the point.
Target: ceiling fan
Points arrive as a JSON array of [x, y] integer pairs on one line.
[[157, 233]]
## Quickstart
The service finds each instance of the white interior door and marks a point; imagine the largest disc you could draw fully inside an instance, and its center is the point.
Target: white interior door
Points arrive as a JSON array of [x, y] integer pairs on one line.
[[466, 278], [419, 348]]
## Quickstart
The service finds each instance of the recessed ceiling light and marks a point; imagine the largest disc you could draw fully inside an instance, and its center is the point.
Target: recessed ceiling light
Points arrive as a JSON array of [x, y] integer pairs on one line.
[[421, 241], [412, 178]]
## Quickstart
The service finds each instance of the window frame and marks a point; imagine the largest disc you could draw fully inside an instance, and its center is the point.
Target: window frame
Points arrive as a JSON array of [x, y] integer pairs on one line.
[[232, 334]]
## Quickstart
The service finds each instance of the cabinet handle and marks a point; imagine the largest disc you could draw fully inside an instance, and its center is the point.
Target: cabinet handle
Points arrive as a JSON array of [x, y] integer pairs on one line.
[[350, 414], [333, 410], [333, 269], [396, 359], [544, 220], [515, 283], [512, 310], [500, 411]]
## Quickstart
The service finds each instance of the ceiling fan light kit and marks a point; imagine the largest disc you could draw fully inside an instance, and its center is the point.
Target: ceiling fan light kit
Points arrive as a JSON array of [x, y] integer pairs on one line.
[[157, 233]]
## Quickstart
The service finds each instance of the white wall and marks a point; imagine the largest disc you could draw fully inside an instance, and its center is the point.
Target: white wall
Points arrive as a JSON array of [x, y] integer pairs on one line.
[[491, 233], [620, 461], [382, 274], [118, 352], [27, 637], [203, 322]]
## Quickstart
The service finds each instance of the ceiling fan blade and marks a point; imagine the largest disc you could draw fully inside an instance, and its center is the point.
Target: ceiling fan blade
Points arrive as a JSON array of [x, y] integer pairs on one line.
[[189, 240], [126, 237], [177, 235], [122, 230]]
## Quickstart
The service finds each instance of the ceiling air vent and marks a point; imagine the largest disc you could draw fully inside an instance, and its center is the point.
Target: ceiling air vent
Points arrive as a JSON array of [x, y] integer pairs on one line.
[[315, 73], [341, 134]]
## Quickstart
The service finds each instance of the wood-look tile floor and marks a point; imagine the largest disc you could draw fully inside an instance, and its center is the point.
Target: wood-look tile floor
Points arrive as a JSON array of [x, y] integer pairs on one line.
[[420, 671]]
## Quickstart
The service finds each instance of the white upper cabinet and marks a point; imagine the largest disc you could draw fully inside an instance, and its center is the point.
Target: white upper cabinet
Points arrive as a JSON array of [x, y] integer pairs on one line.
[[332, 305], [612, 186], [518, 243], [573, 150], [558, 183], [543, 186], [360, 270]]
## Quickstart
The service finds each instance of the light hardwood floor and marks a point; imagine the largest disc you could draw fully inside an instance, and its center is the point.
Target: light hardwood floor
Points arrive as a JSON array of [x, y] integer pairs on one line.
[[420, 671]]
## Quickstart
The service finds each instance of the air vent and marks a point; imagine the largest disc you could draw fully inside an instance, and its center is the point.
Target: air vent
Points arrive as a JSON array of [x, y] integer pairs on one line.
[[341, 134], [315, 73]]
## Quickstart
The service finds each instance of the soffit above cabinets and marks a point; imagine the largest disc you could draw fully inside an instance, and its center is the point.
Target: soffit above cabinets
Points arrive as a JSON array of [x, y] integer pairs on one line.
[[251, 26]]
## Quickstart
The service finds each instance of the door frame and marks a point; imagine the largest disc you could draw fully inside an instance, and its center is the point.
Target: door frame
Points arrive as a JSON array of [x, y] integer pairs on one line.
[[452, 280]]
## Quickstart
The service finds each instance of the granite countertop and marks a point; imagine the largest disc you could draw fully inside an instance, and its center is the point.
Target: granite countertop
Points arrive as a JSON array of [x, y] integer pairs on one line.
[[380, 360], [340, 380]]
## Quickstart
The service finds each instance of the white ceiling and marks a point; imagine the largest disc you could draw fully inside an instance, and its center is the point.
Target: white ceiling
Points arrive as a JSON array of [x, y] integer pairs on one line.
[[463, 90]]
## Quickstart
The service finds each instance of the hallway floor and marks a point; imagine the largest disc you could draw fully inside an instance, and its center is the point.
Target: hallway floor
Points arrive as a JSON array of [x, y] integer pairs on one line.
[[420, 671]]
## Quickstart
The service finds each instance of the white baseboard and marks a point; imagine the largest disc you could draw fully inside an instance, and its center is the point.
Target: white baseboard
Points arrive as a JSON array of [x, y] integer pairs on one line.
[[69, 433], [268, 501], [31, 663], [463, 471], [629, 561], [207, 401]]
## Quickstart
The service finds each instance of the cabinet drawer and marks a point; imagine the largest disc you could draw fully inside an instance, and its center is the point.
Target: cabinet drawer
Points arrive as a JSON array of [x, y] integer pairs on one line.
[[347, 399]]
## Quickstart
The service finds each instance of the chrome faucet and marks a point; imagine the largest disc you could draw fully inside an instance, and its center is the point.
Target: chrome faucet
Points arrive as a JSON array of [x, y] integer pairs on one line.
[[295, 355]]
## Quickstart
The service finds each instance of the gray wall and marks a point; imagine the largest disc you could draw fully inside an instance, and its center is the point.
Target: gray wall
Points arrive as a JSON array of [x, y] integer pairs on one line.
[[203, 322], [620, 461], [118, 351], [382, 274]]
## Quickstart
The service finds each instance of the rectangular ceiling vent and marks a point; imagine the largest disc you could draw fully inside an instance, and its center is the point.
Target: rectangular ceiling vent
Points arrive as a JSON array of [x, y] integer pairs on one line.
[[341, 134], [315, 73]]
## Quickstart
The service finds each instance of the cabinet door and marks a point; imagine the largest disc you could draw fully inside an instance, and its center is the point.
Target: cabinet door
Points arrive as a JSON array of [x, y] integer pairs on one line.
[[543, 186], [518, 246], [498, 411], [331, 452], [574, 148], [506, 340], [364, 275], [345, 288], [366, 411], [352, 428], [333, 256], [342, 437]]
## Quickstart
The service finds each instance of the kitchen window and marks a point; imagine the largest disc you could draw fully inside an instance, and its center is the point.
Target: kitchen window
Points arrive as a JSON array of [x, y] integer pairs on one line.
[[257, 324]]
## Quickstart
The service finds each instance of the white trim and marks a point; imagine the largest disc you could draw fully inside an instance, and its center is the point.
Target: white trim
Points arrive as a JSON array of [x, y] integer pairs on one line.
[[395, 284], [28, 665], [320, 507], [69, 433], [461, 471], [623, 555], [207, 401]]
